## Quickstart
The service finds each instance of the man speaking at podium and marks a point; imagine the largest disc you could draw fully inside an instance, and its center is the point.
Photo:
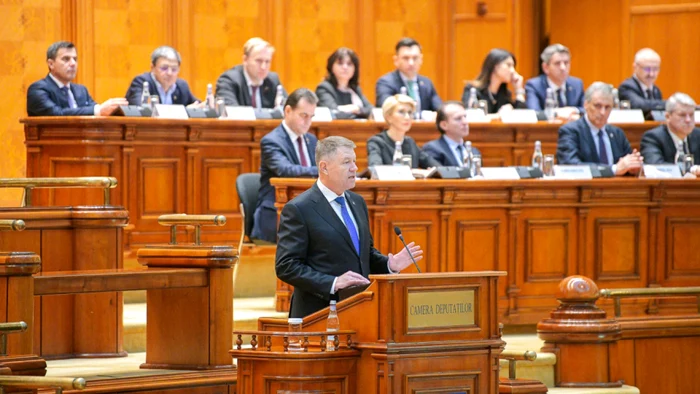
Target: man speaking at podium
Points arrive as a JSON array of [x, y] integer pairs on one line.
[[324, 244]]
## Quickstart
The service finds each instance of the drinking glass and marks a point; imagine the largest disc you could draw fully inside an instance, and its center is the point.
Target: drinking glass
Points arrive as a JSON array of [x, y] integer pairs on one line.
[[484, 105], [548, 165], [688, 162], [625, 104], [407, 160], [476, 166]]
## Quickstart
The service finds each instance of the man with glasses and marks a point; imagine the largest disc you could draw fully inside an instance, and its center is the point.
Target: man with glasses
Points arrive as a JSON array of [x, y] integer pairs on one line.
[[678, 135], [162, 80], [640, 90], [251, 84], [57, 95]]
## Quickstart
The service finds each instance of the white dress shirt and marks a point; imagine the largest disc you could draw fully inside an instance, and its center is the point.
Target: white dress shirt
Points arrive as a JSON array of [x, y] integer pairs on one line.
[[96, 109], [294, 136]]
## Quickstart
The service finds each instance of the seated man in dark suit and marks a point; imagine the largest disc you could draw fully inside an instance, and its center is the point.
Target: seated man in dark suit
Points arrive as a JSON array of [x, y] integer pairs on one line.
[[449, 149], [251, 84], [162, 80], [285, 152], [590, 140], [556, 64], [325, 244], [660, 144], [408, 59], [55, 95], [640, 90]]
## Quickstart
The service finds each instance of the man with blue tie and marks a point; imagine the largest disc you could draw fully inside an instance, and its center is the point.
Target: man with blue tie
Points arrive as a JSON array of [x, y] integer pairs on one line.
[[408, 60], [449, 149], [568, 90], [590, 140], [55, 95], [285, 152], [325, 244]]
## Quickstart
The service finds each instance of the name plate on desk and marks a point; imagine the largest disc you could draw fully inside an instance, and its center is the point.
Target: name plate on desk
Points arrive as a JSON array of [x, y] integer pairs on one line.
[[440, 308], [662, 171], [477, 115], [170, 111], [377, 115], [240, 113], [626, 116], [573, 172], [500, 173], [322, 114], [519, 116], [392, 173]]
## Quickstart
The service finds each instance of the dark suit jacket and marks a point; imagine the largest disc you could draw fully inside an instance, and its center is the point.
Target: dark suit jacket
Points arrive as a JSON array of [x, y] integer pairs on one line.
[[44, 98], [576, 145], [315, 247], [380, 151], [231, 86], [501, 98], [278, 159], [391, 83], [630, 89], [440, 151], [329, 96], [181, 95], [536, 92], [658, 146]]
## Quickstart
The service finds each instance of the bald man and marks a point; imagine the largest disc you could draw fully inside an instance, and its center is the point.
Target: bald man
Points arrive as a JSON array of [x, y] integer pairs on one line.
[[640, 89]]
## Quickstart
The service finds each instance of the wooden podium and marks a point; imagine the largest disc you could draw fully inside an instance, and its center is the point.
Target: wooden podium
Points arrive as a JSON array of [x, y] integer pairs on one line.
[[432, 332]]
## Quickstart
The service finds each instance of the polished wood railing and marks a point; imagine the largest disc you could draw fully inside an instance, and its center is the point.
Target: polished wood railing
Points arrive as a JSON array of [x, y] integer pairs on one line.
[[29, 184], [657, 292], [41, 382]]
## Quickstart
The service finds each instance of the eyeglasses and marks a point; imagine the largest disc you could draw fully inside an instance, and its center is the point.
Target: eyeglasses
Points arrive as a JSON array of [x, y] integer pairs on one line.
[[405, 113], [650, 70], [165, 68]]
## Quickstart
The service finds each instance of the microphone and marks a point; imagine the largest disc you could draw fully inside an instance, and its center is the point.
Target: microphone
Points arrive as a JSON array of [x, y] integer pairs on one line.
[[397, 230]]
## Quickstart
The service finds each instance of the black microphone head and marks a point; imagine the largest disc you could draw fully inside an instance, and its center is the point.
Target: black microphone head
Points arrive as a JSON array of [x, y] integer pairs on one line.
[[397, 230]]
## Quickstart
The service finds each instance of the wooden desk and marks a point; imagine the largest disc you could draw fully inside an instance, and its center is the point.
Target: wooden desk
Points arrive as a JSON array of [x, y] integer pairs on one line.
[[623, 232], [190, 166]]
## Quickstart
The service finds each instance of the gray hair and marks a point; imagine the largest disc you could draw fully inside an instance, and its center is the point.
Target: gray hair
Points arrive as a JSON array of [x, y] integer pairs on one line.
[[602, 87], [328, 146], [548, 52], [165, 51], [645, 53], [679, 99], [53, 49]]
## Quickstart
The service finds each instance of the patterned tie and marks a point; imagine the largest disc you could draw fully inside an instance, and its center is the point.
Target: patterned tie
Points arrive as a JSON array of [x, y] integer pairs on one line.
[[253, 98], [602, 152], [460, 148], [560, 98], [349, 224], [650, 94], [412, 90], [69, 97], [302, 156], [685, 147]]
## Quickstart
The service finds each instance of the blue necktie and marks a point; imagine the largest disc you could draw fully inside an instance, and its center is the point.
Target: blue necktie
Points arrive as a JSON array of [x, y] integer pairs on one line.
[[460, 148], [349, 224], [602, 152], [69, 98]]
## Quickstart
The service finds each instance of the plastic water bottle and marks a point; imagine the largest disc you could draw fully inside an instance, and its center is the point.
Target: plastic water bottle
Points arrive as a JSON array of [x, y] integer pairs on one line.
[[473, 101], [403, 91], [616, 99], [398, 154], [279, 97], [145, 96], [210, 97], [468, 155], [332, 325], [550, 103], [537, 156], [680, 153]]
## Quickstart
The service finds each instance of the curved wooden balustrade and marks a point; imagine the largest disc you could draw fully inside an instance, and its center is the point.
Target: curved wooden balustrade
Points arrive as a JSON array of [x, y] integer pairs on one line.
[[28, 184], [268, 339]]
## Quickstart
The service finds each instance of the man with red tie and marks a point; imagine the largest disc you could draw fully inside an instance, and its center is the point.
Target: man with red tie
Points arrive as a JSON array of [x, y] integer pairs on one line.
[[285, 152]]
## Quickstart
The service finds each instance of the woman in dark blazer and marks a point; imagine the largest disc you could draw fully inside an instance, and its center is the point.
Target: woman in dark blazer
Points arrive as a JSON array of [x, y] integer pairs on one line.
[[340, 90], [398, 113], [497, 71]]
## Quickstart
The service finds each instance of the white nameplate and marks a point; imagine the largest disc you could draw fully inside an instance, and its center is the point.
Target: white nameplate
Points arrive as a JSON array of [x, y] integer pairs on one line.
[[661, 171], [170, 111], [240, 113], [377, 114], [428, 116], [322, 114], [626, 116], [392, 173], [519, 116], [500, 173], [697, 116], [477, 115], [573, 172]]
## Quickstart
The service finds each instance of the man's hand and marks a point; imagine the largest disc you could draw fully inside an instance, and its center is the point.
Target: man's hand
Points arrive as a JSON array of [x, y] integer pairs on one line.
[[108, 107], [349, 279], [349, 108], [401, 260], [631, 163], [197, 104]]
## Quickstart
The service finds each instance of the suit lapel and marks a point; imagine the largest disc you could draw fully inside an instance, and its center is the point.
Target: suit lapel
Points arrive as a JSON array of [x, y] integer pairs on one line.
[[362, 232], [265, 95], [290, 145], [589, 140], [668, 146], [447, 152], [616, 151], [694, 144], [311, 148], [61, 99], [324, 209]]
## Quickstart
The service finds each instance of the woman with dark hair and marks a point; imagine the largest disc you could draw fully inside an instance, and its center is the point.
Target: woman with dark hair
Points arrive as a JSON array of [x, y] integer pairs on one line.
[[340, 90], [497, 71]]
